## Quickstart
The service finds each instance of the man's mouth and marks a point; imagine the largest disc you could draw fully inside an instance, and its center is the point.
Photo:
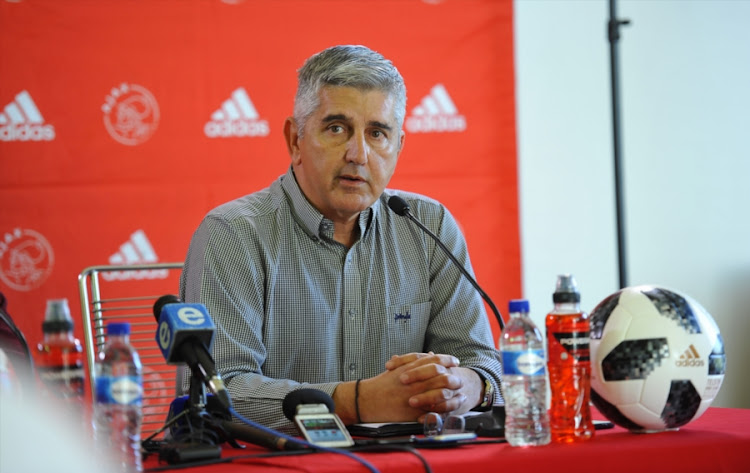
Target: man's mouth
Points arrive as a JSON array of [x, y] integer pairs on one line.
[[350, 178]]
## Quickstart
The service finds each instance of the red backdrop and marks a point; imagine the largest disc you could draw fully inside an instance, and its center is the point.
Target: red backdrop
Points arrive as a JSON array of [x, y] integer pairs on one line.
[[123, 122]]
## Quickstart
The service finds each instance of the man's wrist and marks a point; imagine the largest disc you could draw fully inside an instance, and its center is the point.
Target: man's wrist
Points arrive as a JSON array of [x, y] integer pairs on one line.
[[487, 394], [344, 399]]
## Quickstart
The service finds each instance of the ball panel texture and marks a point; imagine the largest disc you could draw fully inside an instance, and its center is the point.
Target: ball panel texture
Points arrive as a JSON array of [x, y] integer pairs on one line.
[[683, 403], [634, 359], [717, 360], [675, 307], [611, 412], [605, 309]]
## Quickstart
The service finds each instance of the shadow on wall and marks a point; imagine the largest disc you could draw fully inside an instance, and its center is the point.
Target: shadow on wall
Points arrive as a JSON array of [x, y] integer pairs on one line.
[[732, 314]]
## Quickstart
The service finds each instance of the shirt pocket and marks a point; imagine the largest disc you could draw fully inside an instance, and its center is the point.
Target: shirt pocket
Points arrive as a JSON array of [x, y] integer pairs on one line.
[[407, 327]]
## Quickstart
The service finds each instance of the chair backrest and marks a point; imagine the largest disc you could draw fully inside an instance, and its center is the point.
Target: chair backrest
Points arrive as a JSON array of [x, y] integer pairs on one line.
[[126, 293]]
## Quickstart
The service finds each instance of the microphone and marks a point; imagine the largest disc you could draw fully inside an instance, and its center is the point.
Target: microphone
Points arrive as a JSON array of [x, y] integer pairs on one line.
[[312, 411], [255, 436], [296, 400], [401, 207], [185, 335]]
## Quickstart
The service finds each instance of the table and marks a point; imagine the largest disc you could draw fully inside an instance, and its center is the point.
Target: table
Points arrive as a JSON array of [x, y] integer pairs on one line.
[[719, 441]]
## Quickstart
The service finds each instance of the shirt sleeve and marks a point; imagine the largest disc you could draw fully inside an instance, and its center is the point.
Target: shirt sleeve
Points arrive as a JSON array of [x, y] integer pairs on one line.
[[224, 271]]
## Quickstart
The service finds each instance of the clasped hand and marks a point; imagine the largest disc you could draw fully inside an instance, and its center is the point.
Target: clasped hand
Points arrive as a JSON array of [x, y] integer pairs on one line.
[[415, 384]]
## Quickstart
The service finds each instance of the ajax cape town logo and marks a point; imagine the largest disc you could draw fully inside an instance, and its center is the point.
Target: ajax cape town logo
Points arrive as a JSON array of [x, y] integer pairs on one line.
[[26, 259], [20, 120], [131, 114]]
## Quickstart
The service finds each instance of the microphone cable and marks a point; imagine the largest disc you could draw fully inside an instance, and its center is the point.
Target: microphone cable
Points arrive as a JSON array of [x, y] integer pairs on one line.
[[285, 453]]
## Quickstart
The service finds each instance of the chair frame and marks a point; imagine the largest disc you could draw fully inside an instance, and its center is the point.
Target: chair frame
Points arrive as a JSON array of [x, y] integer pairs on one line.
[[139, 311]]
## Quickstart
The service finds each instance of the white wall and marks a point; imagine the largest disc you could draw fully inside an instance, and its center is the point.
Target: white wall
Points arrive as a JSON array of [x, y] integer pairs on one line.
[[685, 109]]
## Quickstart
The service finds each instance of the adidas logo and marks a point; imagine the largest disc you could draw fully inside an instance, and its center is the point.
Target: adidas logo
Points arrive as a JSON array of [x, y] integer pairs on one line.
[[237, 117], [690, 358], [436, 113], [20, 120], [137, 250]]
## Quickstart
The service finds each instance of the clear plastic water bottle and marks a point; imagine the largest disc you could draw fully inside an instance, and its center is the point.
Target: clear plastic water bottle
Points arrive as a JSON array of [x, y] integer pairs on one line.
[[524, 380], [117, 407], [569, 365]]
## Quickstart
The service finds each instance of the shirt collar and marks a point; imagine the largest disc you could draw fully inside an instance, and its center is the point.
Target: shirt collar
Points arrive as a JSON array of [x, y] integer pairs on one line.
[[310, 219]]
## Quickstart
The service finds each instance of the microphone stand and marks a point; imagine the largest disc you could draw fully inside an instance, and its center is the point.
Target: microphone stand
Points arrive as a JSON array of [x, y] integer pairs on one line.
[[198, 432]]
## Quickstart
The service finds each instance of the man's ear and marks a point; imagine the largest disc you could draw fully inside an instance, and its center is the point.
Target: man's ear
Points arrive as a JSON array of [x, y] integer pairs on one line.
[[291, 136]]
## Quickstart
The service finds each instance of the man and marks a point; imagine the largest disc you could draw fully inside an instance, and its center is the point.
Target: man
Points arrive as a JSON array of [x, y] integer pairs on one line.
[[314, 283]]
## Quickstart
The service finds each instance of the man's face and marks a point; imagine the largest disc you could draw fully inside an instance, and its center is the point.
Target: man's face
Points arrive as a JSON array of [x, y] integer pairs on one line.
[[348, 151]]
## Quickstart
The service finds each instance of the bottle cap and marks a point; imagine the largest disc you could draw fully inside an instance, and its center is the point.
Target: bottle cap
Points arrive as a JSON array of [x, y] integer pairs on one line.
[[118, 328], [518, 305], [57, 316], [566, 289]]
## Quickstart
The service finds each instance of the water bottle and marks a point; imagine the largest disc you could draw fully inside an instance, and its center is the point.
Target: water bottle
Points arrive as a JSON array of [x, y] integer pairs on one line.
[[524, 380], [569, 365], [117, 407], [59, 357]]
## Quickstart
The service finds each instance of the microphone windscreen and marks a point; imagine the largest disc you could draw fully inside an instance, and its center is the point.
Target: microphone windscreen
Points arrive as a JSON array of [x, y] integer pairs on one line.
[[162, 301], [398, 205], [305, 396], [181, 323]]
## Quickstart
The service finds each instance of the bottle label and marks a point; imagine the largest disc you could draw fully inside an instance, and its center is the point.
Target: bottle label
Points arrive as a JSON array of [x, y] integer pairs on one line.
[[63, 381], [570, 344], [123, 390], [529, 362]]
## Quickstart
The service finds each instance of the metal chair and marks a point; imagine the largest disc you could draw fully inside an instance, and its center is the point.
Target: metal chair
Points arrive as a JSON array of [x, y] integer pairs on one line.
[[126, 293]]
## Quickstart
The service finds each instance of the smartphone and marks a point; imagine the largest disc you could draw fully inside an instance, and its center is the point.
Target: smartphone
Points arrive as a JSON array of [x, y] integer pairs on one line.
[[446, 438], [325, 430]]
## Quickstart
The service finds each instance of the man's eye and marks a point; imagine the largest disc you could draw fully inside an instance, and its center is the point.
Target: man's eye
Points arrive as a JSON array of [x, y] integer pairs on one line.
[[378, 134], [336, 128]]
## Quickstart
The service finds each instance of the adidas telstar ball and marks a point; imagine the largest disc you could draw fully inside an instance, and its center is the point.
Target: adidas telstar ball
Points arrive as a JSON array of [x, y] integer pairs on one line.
[[657, 358]]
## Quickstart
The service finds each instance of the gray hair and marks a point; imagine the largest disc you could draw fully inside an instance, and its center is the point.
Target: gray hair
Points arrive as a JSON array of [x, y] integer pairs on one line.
[[347, 66]]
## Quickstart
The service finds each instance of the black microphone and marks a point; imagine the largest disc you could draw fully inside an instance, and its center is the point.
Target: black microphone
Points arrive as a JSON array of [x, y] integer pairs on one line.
[[313, 412], [305, 396], [401, 207], [255, 436], [185, 334]]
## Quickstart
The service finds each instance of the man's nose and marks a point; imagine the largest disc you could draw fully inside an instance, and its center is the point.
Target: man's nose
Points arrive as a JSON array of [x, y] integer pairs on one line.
[[357, 149]]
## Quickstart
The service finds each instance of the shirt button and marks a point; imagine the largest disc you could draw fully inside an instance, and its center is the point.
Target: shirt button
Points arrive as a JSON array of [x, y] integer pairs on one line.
[[352, 312], [352, 367]]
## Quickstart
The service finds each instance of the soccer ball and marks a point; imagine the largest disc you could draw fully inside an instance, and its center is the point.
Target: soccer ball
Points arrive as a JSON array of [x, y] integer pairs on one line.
[[657, 358]]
